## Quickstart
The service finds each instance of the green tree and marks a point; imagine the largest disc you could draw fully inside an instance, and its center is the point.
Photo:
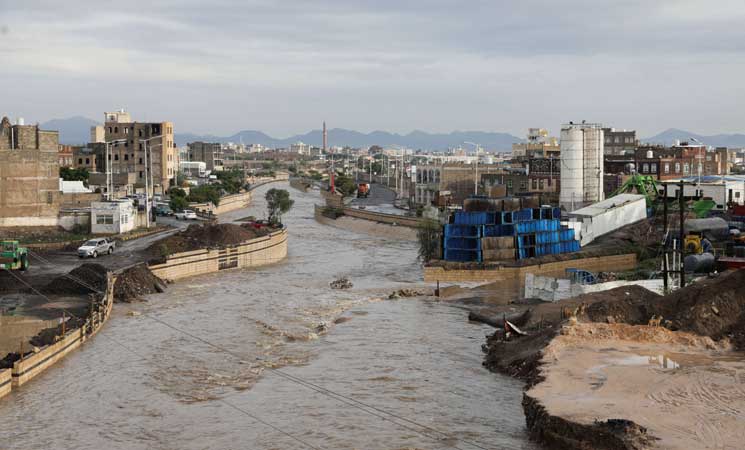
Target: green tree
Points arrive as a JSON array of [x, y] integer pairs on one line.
[[345, 184], [232, 181], [278, 202], [70, 174], [178, 199], [205, 193], [429, 234]]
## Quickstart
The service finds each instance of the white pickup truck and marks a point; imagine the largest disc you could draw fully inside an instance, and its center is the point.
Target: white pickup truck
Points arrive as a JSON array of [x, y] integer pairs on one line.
[[95, 247], [186, 214]]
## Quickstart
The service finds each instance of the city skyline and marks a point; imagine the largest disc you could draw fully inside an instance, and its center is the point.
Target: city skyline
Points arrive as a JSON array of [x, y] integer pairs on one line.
[[398, 67]]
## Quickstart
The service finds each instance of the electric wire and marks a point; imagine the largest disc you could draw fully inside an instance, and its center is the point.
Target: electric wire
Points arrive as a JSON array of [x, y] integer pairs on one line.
[[223, 401]]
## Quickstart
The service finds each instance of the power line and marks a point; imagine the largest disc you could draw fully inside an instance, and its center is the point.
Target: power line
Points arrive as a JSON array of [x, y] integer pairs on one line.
[[225, 402]]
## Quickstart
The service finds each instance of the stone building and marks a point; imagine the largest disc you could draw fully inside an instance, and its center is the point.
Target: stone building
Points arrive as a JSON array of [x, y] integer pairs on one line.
[[456, 179], [29, 175], [129, 142], [619, 142], [209, 153]]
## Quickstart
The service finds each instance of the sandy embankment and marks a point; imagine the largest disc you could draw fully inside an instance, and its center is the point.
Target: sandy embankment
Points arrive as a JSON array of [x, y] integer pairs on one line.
[[369, 227], [686, 390]]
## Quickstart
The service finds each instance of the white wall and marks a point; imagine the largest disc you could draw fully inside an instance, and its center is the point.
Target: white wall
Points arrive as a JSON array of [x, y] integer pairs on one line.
[[121, 215]]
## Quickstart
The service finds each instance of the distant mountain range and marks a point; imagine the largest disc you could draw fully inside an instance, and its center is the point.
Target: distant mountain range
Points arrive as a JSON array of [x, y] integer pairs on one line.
[[342, 137], [72, 131], [668, 137], [76, 131]]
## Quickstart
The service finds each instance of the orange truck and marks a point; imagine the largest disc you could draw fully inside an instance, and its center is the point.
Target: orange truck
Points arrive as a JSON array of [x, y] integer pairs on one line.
[[363, 190]]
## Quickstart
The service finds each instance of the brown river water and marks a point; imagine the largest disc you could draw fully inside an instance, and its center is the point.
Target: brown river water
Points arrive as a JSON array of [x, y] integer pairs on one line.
[[393, 374]]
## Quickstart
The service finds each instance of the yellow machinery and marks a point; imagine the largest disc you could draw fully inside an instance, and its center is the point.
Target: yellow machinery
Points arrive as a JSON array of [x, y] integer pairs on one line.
[[692, 244]]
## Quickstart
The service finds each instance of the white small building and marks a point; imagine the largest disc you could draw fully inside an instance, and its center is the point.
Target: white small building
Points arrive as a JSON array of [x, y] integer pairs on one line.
[[300, 148], [722, 190], [113, 217], [608, 215], [73, 187], [193, 168]]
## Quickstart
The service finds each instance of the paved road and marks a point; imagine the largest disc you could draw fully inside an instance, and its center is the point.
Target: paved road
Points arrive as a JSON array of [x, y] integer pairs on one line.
[[380, 200]]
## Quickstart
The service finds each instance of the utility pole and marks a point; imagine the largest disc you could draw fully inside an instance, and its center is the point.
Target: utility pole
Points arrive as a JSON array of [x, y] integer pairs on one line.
[[681, 203], [147, 190], [664, 243]]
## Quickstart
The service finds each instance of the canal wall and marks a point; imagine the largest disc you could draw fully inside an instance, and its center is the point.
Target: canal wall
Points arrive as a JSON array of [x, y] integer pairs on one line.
[[390, 219], [512, 279], [31, 366], [362, 226], [253, 253]]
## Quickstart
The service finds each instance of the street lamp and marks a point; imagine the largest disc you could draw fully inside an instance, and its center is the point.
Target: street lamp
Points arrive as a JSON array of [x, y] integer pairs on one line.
[[149, 176], [109, 172], [476, 180]]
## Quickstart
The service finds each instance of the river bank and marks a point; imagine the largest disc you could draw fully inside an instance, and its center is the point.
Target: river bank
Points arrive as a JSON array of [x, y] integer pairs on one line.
[[410, 357], [603, 377]]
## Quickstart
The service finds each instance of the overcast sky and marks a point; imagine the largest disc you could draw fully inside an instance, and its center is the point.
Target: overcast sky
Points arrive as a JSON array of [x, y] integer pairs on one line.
[[283, 66]]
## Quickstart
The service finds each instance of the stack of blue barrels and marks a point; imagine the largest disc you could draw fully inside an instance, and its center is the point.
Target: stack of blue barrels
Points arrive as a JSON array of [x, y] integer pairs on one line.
[[536, 232]]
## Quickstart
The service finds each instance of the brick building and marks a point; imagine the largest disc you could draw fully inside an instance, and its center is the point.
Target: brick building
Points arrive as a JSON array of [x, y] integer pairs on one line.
[[619, 142], [544, 175], [29, 175], [65, 155], [457, 179], [129, 143], [210, 153], [667, 163]]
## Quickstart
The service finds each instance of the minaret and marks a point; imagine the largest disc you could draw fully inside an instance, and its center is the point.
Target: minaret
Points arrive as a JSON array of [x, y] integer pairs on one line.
[[325, 137]]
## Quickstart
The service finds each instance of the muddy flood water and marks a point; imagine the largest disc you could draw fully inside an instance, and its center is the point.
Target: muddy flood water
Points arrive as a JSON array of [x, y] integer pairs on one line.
[[265, 366]]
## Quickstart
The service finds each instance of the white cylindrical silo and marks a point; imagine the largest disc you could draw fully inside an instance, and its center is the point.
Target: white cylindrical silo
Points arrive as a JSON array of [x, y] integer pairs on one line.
[[593, 164], [572, 164]]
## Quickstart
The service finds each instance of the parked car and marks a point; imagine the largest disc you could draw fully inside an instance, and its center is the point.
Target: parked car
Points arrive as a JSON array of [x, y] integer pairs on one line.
[[186, 214], [163, 210], [95, 247]]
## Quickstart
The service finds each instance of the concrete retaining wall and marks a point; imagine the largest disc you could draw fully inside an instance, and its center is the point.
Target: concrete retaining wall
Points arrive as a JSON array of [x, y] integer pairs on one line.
[[391, 219], [367, 227], [256, 252], [551, 289], [26, 369], [513, 278]]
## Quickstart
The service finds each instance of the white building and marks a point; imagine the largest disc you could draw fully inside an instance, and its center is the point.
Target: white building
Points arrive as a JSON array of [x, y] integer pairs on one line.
[[581, 165], [609, 215], [113, 217], [193, 168], [721, 189], [300, 148]]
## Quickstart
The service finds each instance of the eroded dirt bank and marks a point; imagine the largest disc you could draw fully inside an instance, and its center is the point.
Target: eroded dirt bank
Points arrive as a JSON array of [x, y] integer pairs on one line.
[[603, 383]]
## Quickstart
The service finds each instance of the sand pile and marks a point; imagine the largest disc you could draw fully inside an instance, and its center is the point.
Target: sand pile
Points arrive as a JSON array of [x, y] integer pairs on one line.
[[136, 282], [210, 235], [85, 279]]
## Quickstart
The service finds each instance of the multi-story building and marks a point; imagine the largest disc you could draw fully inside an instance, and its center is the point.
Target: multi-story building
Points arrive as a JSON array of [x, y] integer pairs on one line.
[[458, 180], [516, 182], [667, 163], [210, 153], [29, 175], [300, 148], [133, 144], [619, 142], [64, 155], [539, 145], [544, 175], [90, 157]]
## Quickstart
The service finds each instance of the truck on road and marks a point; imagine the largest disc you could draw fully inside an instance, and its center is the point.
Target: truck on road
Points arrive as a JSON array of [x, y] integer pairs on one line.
[[13, 256], [363, 190]]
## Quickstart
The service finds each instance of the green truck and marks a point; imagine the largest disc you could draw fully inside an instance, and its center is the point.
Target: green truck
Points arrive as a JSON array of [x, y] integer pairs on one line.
[[13, 256]]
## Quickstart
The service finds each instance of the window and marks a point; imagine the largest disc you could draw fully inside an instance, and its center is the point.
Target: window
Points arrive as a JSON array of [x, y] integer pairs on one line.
[[116, 157], [50, 197], [737, 195], [87, 161], [126, 157], [677, 167], [607, 139], [617, 140], [523, 185], [653, 168], [111, 130], [686, 168], [540, 184], [645, 168], [140, 145], [140, 174], [80, 161], [126, 131], [104, 219], [667, 167], [509, 184], [535, 184], [140, 161], [116, 129], [124, 218], [139, 133]]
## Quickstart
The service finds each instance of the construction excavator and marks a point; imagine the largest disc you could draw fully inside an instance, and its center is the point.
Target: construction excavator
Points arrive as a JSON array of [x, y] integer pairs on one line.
[[13, 256], [639, 184]]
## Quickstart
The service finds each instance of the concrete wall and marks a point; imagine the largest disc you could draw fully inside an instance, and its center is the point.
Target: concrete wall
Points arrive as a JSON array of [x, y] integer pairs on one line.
[[551, 289], [69, 219], [391, 219], [513, 278], [256, 252], [367, 227], [6, 381], [26, 369]]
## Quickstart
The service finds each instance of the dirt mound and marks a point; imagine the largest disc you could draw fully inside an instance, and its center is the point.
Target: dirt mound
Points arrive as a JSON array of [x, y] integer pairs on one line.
[[135, 282], [85, 279], [627, 304], [48, 336], [209, 235]]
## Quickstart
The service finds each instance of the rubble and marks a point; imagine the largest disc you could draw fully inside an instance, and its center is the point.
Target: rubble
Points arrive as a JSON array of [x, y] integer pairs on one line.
[[85, 279], [341, 283], [133, 283], [402, 293], [211, 235]]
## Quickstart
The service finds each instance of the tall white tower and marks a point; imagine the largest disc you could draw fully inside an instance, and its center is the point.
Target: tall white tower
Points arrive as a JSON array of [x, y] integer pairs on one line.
[[582, 148]]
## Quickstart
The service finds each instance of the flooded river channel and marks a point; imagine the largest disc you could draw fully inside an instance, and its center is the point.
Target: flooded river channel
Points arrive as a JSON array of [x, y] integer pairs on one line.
[[196, 367]]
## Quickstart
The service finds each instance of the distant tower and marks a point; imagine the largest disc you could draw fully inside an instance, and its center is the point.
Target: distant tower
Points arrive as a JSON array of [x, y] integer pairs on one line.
[[325, 137]]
